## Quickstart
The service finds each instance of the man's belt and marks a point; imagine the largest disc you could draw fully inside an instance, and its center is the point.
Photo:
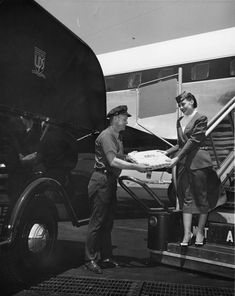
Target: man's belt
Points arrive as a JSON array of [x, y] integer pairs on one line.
[[101, 170], [204, 148]]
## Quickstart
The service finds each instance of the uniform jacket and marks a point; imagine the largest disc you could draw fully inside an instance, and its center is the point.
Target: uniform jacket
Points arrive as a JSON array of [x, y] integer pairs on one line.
[[190, 147]]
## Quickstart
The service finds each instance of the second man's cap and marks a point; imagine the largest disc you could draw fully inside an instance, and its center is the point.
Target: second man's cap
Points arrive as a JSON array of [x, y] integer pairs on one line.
[[122, 109]]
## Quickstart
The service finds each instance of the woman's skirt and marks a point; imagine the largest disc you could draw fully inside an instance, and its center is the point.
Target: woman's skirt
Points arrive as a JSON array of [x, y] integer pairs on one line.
[[198, 190]]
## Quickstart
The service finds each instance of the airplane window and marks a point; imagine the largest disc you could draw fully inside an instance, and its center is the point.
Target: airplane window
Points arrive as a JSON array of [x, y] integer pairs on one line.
[[134, 80], [232, 67], [200, 71], [116, 82], [110, 82], [150, 74], [165, 72]]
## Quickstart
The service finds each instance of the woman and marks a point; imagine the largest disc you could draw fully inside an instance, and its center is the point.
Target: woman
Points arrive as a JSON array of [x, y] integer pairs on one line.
[[195, 174]]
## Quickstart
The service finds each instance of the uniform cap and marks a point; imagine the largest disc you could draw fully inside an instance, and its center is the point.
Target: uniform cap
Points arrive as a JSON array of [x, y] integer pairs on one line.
[[188, 96], [118, 110]]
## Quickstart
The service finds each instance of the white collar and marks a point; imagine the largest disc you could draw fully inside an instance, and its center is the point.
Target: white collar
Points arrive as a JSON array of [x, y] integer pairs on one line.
[[191, 115]]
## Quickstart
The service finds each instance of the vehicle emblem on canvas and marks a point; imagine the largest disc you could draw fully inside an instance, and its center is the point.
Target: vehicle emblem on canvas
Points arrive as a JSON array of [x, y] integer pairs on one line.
[[39, 62]]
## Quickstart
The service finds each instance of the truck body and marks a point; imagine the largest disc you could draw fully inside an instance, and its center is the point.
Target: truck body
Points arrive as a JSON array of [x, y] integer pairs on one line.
[[52, 106]]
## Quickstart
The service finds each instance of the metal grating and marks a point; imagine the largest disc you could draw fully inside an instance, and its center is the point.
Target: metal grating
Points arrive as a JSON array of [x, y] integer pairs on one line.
[[166, 289], [65, 286], [91, 286]]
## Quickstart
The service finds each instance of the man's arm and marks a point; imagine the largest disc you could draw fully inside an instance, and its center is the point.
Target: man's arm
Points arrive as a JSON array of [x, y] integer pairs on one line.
[[122, 164]]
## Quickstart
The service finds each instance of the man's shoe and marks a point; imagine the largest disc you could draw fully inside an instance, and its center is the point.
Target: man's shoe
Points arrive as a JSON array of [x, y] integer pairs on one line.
[[93, 266], [108, 263]]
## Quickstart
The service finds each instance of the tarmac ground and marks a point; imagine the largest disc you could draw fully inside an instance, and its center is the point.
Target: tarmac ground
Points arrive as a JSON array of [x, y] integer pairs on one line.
[[68, 275]]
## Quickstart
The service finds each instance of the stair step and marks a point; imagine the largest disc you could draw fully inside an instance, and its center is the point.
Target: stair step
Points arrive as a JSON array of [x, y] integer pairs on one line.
[[222, 215], [229, 205], [210, 258], [221, 233]]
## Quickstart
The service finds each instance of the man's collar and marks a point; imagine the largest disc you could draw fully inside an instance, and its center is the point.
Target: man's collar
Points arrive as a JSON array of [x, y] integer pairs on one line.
[[112, 129]]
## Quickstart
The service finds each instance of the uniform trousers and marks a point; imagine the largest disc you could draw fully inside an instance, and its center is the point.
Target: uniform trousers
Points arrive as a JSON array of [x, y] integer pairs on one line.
[[102, 194]]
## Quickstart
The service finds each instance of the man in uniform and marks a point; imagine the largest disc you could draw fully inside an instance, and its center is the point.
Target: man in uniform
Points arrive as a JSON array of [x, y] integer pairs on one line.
[[109, 161]]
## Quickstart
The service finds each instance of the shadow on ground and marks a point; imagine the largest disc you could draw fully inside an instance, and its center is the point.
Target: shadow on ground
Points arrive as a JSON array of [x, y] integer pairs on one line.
[[69, 254]]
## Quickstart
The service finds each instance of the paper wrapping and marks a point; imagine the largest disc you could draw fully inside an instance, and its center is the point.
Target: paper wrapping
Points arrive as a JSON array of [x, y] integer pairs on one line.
[[153, 158]]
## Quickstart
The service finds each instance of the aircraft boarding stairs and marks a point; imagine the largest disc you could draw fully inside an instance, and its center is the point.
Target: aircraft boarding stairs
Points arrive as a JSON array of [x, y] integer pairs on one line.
[[165, 227]]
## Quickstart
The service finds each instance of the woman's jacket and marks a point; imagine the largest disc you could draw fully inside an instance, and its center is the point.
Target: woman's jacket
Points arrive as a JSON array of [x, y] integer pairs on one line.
[[191, 149]]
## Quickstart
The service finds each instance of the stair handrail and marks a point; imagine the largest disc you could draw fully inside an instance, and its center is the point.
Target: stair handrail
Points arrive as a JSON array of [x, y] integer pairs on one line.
[[220, 116], [121, 180], [227, 163]]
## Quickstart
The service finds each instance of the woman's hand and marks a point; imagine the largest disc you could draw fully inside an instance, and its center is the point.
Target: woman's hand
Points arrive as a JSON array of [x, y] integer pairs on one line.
[[173, 162], [162, 151]]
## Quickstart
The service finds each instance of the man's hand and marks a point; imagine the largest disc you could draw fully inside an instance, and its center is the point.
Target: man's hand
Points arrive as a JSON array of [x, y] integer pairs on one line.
[[128, 156], [28, 158], [143, 168]]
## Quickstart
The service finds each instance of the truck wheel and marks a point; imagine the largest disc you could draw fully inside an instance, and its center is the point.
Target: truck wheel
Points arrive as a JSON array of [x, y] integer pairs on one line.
[[34, 245]]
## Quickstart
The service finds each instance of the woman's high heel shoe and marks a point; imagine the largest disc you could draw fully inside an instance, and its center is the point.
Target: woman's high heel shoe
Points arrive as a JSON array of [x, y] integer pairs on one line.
[[186, 243], [199, 242]]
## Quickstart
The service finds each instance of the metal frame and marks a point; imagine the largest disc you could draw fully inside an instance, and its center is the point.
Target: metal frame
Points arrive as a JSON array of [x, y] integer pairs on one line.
[[146, 188]]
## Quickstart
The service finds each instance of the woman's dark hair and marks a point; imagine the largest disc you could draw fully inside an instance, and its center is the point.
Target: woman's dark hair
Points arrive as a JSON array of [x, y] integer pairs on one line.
[[187, 96]]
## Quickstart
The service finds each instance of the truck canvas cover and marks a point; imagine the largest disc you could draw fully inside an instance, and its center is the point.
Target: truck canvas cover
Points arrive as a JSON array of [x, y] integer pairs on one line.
[[46, 70]]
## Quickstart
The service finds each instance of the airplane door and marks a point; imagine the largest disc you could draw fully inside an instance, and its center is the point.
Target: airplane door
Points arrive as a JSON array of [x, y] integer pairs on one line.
[[156, 106]]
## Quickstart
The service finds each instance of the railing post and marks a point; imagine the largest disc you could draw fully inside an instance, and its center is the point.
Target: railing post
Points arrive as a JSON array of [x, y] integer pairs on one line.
[[180, 79]]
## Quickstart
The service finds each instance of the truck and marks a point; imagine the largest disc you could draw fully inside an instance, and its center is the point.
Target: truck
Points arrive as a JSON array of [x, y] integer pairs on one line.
[[52, 106]]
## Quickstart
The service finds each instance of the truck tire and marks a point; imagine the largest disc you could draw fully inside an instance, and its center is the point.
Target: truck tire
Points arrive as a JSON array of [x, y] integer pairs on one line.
[[34, 244]]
